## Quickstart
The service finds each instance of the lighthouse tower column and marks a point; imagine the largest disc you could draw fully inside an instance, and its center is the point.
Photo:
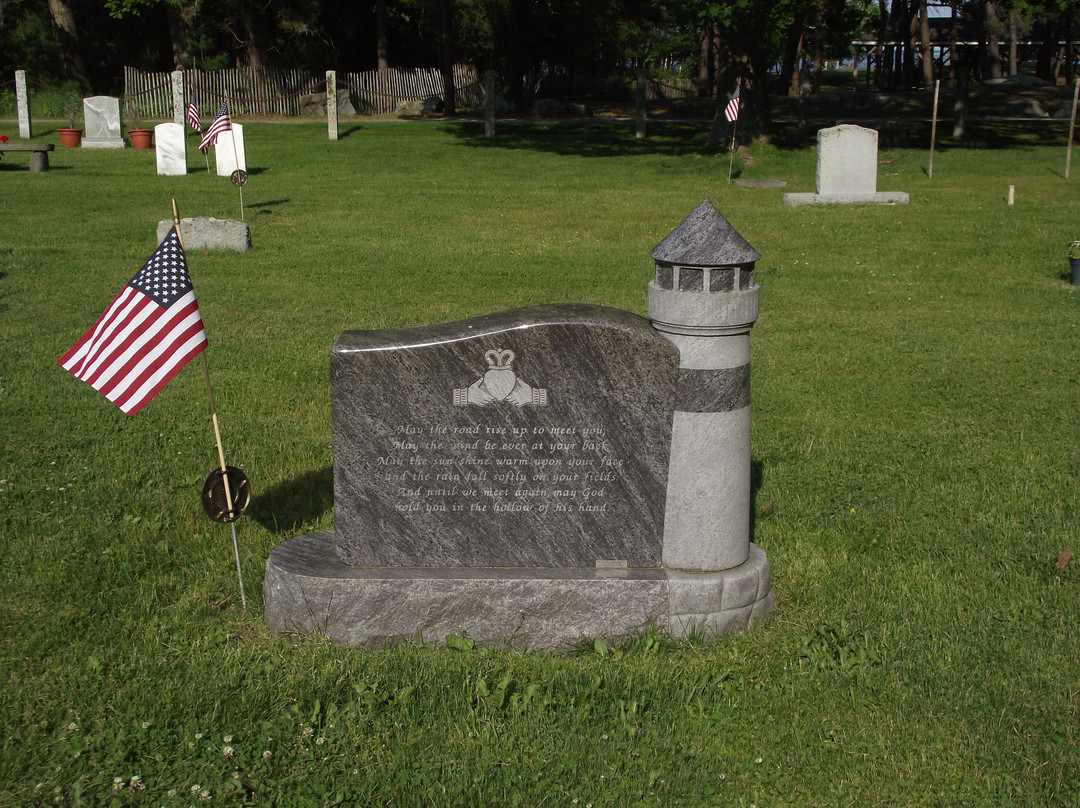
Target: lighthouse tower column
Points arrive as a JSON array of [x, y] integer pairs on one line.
[[704, 299]]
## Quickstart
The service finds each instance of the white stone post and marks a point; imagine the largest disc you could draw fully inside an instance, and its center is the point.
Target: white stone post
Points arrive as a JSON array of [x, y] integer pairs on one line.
[[178, 97], [22, 100], [704, 300], [331, 104]]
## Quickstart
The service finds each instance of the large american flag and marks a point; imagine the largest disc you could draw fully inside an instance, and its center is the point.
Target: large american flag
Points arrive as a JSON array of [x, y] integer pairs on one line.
[[221, 123], [193, 116], [731, 111], [151, 330]]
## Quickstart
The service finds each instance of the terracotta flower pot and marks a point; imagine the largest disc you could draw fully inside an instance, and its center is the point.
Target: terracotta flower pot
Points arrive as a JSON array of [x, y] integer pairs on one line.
[[72, 138], [140, 138]]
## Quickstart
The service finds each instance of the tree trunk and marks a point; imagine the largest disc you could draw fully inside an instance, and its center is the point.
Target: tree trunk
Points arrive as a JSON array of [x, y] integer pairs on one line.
[[705, 76], [67, 42], [517, 58], [926, 48], [446, 54], [819, 37], [179, 29], [251, 44], [789, 73], [993, 48], [382, 40], [1014, 35], [954, 38]]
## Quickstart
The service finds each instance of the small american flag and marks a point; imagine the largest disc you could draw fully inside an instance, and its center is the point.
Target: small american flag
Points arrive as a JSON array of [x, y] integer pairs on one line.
[[193, 116], [151, 330], [220, 124], [731, 112]]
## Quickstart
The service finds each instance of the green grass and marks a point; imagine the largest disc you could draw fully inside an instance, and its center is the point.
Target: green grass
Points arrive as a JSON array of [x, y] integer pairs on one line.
[[915, 419]]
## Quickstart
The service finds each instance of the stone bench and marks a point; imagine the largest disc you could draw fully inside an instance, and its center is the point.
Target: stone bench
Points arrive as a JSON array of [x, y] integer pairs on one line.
[[39, 153]]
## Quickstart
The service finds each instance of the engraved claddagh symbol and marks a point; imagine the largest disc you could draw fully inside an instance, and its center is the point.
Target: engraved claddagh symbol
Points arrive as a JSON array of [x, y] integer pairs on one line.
[[499, 379], [500, 383]]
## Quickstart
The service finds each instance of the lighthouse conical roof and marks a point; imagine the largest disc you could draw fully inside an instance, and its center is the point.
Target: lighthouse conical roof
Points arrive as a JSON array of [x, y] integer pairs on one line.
[[705, 239]]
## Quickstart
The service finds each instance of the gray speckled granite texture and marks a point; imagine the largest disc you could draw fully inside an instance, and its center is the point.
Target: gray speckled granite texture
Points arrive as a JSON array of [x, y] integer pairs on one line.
[[307, 589], [531, 438]]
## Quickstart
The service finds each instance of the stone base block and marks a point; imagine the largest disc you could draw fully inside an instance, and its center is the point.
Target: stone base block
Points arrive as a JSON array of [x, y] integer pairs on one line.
[[204, 233], [308, 589], [111, 143], [879, 198]]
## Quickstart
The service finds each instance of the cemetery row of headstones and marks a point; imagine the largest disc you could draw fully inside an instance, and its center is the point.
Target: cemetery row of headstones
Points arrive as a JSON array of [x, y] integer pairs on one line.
[[104, 130]]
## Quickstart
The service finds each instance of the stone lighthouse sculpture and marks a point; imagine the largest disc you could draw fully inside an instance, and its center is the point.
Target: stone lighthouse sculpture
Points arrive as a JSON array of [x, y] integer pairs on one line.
[[704, 299]]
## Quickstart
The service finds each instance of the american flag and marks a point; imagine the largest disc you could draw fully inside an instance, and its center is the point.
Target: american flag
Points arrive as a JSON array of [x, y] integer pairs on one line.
[[731, 112], [220, 124], [193, 116], [151, 330]]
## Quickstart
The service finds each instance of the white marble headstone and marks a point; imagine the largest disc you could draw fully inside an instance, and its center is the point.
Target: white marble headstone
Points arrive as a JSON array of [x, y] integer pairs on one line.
[[171, 149], [229, 151], [847, 160], [101, 114]]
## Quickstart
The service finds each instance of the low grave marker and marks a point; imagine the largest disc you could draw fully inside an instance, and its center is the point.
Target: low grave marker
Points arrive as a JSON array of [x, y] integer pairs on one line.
[[101, 116]]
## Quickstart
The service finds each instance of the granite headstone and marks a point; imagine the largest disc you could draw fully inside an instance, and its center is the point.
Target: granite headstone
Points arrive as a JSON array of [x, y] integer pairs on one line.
[[171, 149], [847, 158], [546, 476], [530, 438], [101, 116]]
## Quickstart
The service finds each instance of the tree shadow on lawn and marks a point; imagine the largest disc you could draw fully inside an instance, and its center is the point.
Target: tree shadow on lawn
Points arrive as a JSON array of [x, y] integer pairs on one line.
[[289, 506], [979, 134], [592, 138]]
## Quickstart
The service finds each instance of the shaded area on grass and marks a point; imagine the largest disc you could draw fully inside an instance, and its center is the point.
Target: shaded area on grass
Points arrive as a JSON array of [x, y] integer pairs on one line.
[[288, 506]]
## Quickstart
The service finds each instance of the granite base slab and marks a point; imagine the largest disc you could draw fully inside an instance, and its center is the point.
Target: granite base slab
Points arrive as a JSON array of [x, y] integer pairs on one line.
[[879, 198], [308, 590], [110, 143], [207, 233]]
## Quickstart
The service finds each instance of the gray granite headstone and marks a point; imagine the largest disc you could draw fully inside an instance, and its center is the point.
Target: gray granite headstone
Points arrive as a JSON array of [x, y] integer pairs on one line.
[[101, 115], [171, 149], [846, 170], [531, 438], [847, 160]]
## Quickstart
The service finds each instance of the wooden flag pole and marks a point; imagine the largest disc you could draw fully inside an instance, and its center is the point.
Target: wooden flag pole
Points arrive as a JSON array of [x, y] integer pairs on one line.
[[731, 156], [217, 436], [933, 130], [1072, 128]]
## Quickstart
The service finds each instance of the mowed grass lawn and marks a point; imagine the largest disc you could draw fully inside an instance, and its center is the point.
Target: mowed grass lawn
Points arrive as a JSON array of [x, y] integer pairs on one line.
[[915, 395]]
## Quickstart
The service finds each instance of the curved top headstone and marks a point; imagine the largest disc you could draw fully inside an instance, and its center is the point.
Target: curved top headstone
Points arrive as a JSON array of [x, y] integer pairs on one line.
[[705, 239]]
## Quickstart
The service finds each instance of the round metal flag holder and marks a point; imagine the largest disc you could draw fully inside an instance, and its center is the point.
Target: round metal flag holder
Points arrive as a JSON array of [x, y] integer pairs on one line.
[[214, 501], [238, 178]]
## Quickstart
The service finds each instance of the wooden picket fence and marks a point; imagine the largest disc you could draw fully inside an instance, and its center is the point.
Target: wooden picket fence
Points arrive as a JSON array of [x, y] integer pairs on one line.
[[267, 92]]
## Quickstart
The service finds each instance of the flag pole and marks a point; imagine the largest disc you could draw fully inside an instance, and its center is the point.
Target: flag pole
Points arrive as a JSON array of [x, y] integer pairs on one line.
[[731, 157], [933, 131], [1072, 128], [734, 129], [217, 435], [236, 160]]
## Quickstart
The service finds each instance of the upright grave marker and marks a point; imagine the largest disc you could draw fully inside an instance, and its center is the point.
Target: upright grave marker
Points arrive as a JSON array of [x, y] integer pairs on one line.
[[101, 115], [171, 147], [178, 106], [22, 101], [846, 170], [544, 476], [229, 152], [331, 104]]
